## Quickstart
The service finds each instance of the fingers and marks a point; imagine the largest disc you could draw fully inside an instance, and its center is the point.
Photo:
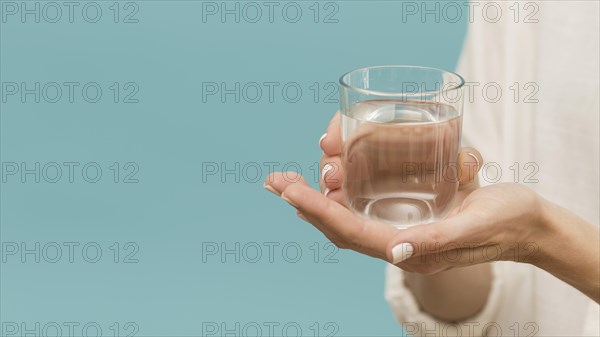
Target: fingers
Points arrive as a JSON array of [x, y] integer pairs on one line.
[[337, 196], [452, 258], [348, 230], [332, 173], [470, 162], [435, 262], [276, 182], [331, 141], [429, 238]]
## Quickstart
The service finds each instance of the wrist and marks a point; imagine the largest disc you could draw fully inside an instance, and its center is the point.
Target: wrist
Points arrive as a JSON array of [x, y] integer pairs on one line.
[[569, 248], [549, 237], [535, 232]]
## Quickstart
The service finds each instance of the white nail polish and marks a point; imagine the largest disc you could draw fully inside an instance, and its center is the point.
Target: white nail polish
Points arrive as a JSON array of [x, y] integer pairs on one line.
[[321, 139], [474, 157], [326, 169], [402, 252], [270, 189], [301, 216], [288, 201]]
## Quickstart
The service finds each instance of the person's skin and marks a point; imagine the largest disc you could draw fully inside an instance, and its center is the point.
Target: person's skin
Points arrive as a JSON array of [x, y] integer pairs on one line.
[[502, 222]]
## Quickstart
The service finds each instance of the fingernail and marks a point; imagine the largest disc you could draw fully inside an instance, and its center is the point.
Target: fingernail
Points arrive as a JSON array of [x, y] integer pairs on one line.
[[402, 252], [474, 157], [270, 189], [301, 216], [326, 169], [288, 201], [326, 191], [321, 139]]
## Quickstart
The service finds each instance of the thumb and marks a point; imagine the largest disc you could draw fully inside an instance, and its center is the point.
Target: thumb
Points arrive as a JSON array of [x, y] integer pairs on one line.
[[430, 238]]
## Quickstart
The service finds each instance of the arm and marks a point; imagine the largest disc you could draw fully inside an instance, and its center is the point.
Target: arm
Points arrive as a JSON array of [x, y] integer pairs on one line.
[[453, 295], [571, 250]]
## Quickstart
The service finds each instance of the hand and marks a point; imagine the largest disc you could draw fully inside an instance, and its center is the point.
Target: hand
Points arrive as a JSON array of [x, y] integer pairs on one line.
[[373, 238], [493, 223]]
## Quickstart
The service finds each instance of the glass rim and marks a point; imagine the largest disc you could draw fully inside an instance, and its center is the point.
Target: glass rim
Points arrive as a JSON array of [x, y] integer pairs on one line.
[[345, 84]]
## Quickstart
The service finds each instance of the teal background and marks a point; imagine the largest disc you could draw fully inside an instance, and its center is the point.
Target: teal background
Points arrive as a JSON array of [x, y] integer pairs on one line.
[[170, 212]]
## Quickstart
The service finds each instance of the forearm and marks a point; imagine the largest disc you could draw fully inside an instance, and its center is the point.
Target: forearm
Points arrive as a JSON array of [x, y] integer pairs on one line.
[[571, 250], [453, 295]]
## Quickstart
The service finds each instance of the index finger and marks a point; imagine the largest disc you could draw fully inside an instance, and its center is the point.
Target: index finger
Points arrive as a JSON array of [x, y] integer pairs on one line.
[[331, 142], [364, 236]]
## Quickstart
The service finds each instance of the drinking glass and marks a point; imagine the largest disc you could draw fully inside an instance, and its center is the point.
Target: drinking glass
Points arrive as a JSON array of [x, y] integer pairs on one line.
[[401, 130]]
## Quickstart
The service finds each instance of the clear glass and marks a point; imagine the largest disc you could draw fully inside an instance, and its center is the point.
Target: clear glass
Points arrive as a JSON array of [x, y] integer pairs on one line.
[[401, 130]]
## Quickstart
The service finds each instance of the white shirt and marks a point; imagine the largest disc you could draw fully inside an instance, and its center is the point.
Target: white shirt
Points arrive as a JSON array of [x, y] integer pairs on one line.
[[557, 58]]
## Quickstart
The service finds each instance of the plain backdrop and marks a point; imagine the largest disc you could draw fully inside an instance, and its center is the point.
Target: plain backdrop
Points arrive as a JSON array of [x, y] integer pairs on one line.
[[190, 165]]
